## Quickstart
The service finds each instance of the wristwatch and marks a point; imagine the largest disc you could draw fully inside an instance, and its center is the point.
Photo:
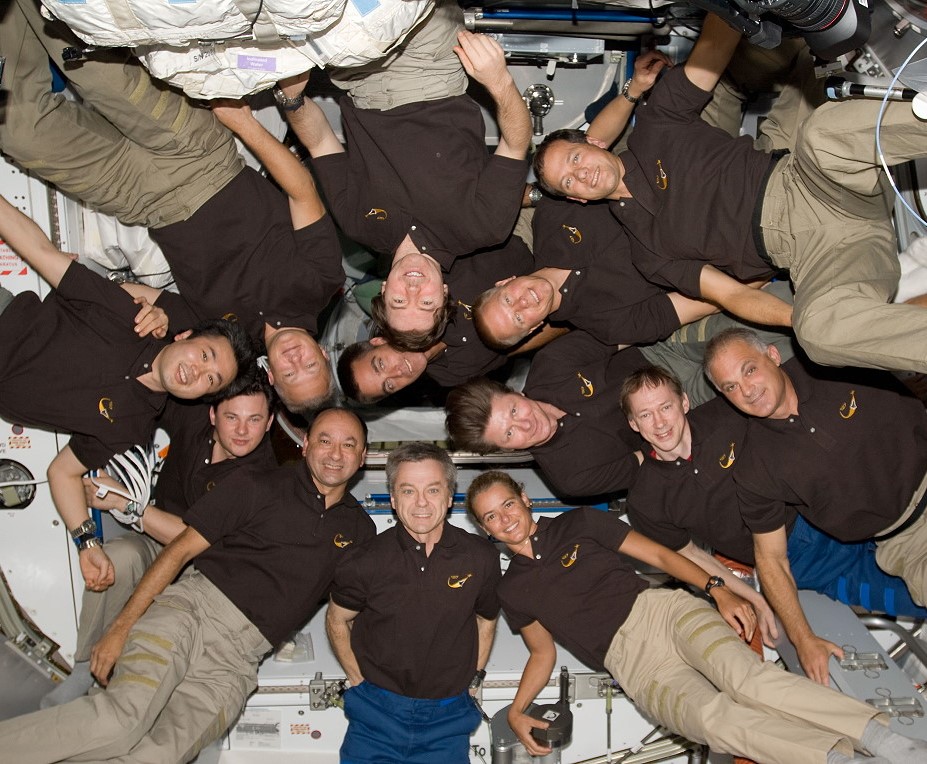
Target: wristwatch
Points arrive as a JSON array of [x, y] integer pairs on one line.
[[88, 527], [626, 94], [288, 104], [478, 678], [535, 195], [88, 542], [712, 583]]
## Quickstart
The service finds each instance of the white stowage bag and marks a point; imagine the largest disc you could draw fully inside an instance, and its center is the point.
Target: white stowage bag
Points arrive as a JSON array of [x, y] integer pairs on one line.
[[290, 37]]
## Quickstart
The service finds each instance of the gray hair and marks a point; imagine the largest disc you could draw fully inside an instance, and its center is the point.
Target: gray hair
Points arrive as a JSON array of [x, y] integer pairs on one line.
[[724, 339], [420, 451]]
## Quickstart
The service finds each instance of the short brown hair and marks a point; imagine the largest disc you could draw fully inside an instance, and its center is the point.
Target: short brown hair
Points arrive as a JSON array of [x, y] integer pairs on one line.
[[468, 410], [647, 376], [487, 480], [537, 164], [415, 340]]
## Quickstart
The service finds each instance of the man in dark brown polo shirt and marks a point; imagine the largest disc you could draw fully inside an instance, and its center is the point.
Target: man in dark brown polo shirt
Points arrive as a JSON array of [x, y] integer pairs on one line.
[[208, 443], [845, 448], [134, 148], [685, 494], [416, 181], [264, 546], [584, 276], [568, 417], [73, 363], [709, 215], [371, 370], [412, 618], [678, 659]]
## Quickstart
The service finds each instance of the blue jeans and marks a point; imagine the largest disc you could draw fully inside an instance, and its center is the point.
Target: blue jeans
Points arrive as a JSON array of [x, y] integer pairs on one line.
[[846, 572], [386, 728]]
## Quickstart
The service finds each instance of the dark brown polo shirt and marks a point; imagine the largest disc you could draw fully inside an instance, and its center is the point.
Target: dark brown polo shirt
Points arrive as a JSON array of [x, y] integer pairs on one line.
[[694, 191], [849, 462], [604, 294], [577, 586], [466, 356], [423, 170], [188, 471], [274, 546], [71, 362], [416, 632], [238, 256], [592, 451], [696, 499]]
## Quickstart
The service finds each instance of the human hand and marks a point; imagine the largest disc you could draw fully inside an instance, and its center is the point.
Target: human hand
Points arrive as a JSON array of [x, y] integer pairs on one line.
[[234, 114], [104, 655], [521, 725], [150, 319], [814, 655], [96, 568], [766, 620], [647, 66], [112, 500], [736, 611], [483, 59]]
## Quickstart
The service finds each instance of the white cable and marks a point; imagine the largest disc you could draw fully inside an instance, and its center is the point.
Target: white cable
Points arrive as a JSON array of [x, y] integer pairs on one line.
[[878, 133], [22, 482]]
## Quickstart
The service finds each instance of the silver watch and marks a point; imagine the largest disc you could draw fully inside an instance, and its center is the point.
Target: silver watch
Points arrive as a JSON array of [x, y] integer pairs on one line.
[[89, 542], [288, 104], [85, 528], [535, 195]]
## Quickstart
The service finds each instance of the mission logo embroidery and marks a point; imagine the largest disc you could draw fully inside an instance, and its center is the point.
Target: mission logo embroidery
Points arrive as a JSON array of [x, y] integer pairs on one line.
[[457, 582], [569, 558], [467, 309], [848, 410], [231, 318], [106, 407], [662, 180], [576, 236], [727, 460], [586, 389], [377, 214], [340, 541]]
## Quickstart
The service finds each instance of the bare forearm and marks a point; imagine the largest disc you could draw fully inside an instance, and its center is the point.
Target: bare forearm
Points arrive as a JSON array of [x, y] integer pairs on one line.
[[780, 590], [514, 120], [613, 119], [31, 244], [486, 633], [162, 526], [157, 578], [339, 635], [313, 130]]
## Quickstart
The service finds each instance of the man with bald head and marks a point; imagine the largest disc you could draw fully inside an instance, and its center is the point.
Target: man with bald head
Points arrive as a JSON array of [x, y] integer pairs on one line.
[[846, 448]]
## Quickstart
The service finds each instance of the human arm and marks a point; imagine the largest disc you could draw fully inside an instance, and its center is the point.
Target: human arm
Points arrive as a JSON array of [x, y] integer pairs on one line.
[[537, 672], [296, 181], [746, 302], [613, 119], [772, 567], [483, 60], [486, 633], [338, 627], [32, 245], [765, 618], [540, 338], [712, 53], [64, 480], [156, 579], [690, 310], [162, 526], [309, 121], [734, 609], [150, 319]]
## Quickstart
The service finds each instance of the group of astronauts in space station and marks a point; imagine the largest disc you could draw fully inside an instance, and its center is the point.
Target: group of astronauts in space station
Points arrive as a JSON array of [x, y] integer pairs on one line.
[[711, 330]]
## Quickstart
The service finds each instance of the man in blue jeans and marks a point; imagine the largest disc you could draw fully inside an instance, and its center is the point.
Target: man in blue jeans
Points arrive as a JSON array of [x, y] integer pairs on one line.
[[685, 491], [411, 619]]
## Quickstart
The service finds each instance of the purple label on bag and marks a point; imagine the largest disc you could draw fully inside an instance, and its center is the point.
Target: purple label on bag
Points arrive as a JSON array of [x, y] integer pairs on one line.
[[256, 63]]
